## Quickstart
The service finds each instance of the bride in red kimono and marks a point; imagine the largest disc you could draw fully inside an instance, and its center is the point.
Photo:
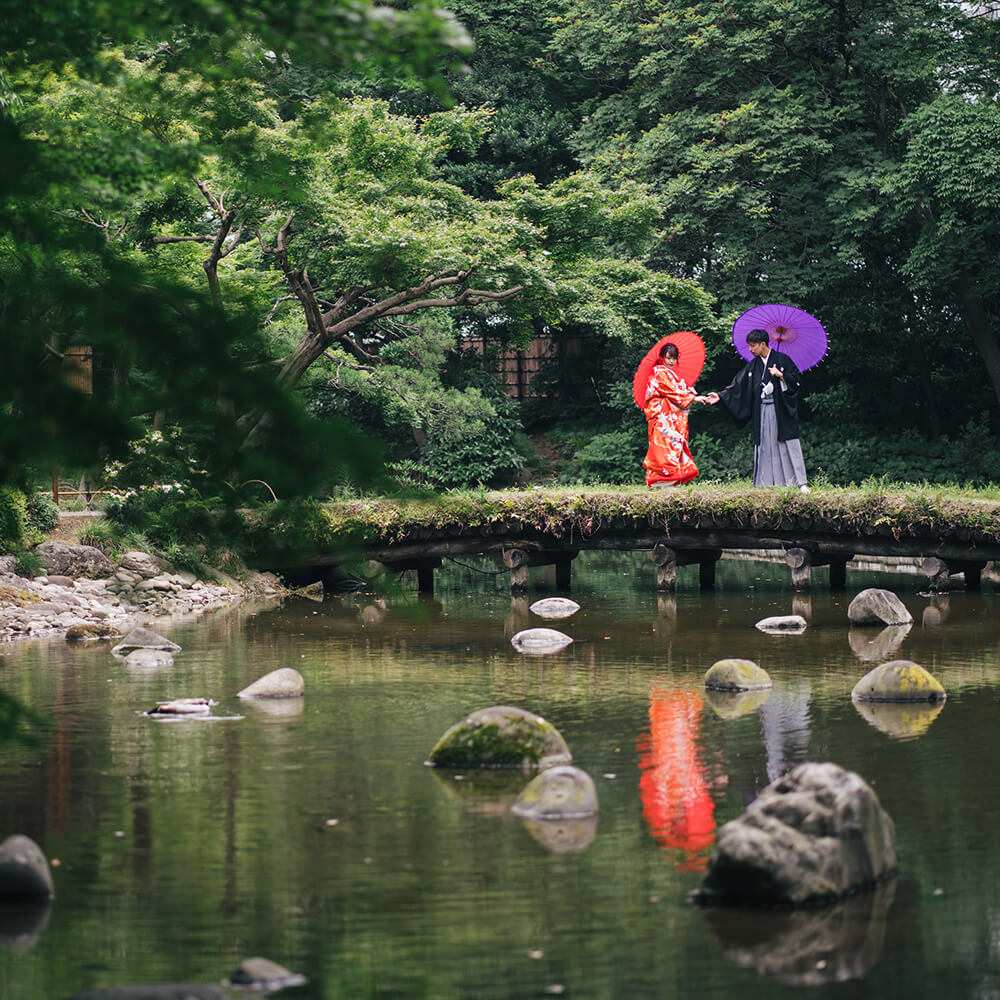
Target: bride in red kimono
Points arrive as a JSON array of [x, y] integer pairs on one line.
[[668, 461]]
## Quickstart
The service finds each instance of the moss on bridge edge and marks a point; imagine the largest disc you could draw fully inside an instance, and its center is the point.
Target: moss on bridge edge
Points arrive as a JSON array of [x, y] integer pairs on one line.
[[567, 512]]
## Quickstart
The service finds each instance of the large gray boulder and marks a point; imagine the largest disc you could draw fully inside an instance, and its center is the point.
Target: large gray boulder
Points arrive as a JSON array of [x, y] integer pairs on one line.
[[285, 682], [878, 607], [24, 871], [501, 736], [70, 559], [144, 638], [813, 836]]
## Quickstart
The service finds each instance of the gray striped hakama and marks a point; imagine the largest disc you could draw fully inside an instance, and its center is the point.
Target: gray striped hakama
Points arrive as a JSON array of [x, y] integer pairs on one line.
[[776, 463]]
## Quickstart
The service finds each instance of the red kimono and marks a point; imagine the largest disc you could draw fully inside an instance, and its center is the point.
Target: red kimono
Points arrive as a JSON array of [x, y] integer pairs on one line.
[[668, 399]]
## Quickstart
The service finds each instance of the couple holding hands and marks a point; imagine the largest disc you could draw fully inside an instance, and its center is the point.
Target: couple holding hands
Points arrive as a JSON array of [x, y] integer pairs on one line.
[[766, 391]]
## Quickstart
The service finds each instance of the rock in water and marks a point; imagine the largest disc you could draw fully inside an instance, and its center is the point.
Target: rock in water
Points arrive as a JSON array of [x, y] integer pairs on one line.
[[540, 640], [286, 682], [898, 680], [813, 836], [501, 736], [558, 793], [790, 624], [92, 632], [24, 871], [263, 975], [182, 706], [149, 659], [737, 675], [878, 607], [144, 638], [554, 607]]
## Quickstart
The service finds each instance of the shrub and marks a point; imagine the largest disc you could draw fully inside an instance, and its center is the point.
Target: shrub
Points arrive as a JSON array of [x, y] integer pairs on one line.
[[486, 452], [42, 511], [14, 525], [615, 457]]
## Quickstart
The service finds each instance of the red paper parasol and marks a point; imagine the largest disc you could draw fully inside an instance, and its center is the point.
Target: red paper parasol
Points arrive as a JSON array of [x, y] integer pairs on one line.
[[691, 349], [792, 331]]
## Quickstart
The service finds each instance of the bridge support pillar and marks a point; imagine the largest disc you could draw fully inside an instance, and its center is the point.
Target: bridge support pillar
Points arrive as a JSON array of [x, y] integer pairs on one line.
[[938, 571], [518, 561], [706, 570], [802, 562], [564, 574], [667, 559]]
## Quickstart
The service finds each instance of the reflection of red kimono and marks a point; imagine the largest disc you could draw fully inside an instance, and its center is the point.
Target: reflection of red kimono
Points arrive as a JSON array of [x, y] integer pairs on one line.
[[676, 804], [668, 399]]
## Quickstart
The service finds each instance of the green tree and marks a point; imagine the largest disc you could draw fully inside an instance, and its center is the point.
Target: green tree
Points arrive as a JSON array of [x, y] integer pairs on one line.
[[62, 283], [802, 154], [336, 232]]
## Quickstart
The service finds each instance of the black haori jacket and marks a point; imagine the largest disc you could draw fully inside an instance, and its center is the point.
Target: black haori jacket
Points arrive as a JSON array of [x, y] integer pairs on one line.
[[742, 396]]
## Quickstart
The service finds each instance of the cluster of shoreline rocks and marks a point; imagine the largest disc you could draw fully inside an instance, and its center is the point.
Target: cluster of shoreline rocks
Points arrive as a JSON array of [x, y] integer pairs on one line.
[[84, 595]]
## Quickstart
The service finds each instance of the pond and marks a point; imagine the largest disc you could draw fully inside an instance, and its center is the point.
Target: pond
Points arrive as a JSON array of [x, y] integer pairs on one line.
[[313, 834]]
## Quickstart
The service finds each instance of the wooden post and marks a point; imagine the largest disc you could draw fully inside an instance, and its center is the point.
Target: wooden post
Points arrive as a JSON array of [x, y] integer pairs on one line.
[[706, 570], [564, 574], [800, 561], [425, 580], [516, 560], [937, 572], [665, 560]]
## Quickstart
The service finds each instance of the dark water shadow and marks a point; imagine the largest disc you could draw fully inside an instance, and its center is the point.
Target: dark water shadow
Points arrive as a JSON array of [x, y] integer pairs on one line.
[[806, 947], [22, 924]]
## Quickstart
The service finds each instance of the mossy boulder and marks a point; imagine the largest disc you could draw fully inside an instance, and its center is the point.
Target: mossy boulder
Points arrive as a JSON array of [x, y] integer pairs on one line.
[[898, 680], [737, 675], [92, 632], [558, 793], [501, 736]]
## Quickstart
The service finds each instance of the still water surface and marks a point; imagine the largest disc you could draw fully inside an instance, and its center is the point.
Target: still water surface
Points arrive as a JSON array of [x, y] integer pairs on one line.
[[313, 834]]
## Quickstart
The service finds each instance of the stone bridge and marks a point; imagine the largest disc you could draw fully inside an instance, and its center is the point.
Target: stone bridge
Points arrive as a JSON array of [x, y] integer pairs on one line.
[[945, 532]]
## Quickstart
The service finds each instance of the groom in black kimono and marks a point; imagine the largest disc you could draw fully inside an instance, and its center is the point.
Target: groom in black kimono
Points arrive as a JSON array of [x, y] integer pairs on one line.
[[767, 391]]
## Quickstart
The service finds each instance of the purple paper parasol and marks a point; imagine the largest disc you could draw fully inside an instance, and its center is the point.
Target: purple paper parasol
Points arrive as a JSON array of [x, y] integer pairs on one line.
[[792, 331]]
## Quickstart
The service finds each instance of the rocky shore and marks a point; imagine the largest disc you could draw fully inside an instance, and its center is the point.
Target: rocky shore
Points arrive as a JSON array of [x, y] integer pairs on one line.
[[83, 594]]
